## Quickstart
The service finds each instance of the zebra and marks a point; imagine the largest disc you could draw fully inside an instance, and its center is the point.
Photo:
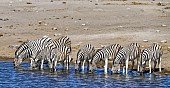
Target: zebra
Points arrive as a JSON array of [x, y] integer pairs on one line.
[[41, 57], [85, 54], [64, 40], [59, 55], [152, 53], [126, 54], [105, 54], [21, 54], [32, 48]]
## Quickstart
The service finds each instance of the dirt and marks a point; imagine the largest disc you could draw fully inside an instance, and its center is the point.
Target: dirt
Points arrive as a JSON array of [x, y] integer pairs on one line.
[[99, 22]]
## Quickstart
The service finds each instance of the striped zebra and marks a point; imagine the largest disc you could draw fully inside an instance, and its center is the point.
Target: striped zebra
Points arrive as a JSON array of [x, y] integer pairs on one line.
[[64, 41], [21, 54], [152, 53], [59, 55], [42, 57], [85, 54], [126, 54], [30, 49], [105, 54]]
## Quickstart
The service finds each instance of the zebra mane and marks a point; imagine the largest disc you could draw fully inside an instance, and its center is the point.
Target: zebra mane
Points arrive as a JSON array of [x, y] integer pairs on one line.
[[21, 48]]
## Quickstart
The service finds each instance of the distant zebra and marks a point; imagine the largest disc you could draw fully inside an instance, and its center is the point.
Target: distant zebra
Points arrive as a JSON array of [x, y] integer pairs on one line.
[[105, 54], [126, 54], [152, 53], [32, 48], [85, 54]]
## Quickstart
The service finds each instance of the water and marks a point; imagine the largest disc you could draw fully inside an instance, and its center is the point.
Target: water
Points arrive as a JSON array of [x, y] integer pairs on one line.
[[26, 78]]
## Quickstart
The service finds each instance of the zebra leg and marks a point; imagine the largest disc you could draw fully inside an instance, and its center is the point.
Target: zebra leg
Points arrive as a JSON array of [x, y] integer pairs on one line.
[[31, 64], [119, 68], [138, 68], [127, 66], [155, 62], [159, 63], [42, 62], [106, 64], [150, 66], [138, 64], [132, 64], [124, 69], [55, 66], [87, 65], [63, 64], [83, 65], [67, 62]]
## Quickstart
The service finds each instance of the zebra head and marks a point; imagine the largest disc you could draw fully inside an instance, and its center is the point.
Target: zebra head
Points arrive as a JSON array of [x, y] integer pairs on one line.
[[51, 62], [78, 61], [77, 65], [51, 65], [17, 62], [115, 68], [92, 66], [142, 60], [19, 58], [34, 64]]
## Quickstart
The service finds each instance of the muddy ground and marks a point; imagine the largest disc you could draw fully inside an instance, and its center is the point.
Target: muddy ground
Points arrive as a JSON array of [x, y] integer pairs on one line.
[[99, 22]]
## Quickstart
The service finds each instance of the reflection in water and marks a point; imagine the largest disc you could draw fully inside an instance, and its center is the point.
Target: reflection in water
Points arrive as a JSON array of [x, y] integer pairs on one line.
[[26, 77]]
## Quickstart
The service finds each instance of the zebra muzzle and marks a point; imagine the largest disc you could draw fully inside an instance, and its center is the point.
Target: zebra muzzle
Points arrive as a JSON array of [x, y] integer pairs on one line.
[[51, 69]]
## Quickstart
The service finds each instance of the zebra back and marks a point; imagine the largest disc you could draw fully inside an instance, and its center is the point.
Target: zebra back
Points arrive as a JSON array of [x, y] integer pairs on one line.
[[112, 50], [64, 40], [132, 51], [109, 52]]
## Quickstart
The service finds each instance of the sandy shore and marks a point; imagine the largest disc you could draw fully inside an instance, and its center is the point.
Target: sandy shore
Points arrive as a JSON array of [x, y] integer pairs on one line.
[[99, 22]]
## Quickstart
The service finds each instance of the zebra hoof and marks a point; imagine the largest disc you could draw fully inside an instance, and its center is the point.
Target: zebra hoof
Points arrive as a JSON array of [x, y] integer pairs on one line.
[[76, 70], [52, 70], [90, 71], [111, 73]]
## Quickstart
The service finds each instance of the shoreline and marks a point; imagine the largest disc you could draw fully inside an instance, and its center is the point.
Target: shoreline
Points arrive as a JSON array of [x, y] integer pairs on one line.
[[164, 71]]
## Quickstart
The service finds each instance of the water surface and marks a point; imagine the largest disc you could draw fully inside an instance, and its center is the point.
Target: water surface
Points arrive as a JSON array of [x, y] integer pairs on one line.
[[26, 78]]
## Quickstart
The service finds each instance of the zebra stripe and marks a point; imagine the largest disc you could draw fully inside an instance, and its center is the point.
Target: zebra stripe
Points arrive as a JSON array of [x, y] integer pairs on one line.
[[126, 54], [152, 53], [85, 54], [105, 54]]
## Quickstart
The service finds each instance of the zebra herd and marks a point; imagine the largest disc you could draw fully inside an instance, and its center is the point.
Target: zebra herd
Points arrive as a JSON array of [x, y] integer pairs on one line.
[[43, 50], [50, 51]]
